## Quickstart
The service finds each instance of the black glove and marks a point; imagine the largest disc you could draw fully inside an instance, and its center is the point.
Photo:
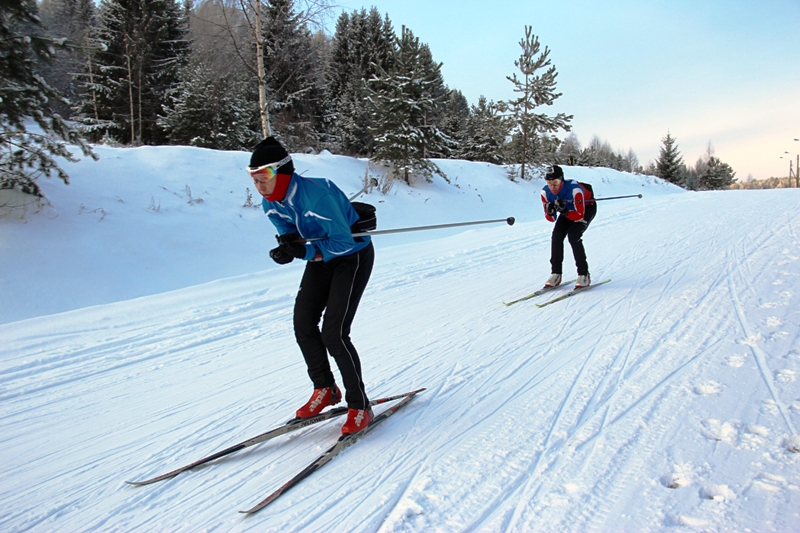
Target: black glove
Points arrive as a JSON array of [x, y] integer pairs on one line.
[[280, 257], [551, 209], [292, 244], [561, 205]]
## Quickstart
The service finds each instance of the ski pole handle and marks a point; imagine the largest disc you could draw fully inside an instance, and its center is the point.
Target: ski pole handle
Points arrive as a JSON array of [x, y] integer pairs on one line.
[[510, 221], [618, 197]]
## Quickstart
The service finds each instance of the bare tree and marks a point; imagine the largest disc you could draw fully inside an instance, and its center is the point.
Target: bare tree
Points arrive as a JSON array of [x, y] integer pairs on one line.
[[251, 14]]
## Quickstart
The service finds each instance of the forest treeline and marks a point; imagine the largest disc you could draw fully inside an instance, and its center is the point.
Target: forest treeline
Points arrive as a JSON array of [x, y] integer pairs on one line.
[[223, 74]]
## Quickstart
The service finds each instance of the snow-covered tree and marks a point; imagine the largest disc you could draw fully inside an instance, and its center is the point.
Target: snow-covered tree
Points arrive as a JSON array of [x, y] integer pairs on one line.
[[716, 175], [403, 99], [27, 155], [289, 74], [363, 47], [485, 133], [73, 21], [143, 49], [454, 117], [669, 163], [535, 88], [211, 112]]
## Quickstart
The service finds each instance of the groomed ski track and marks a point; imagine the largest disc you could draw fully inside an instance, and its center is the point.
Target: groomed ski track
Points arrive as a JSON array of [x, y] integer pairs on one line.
[[575, 417]]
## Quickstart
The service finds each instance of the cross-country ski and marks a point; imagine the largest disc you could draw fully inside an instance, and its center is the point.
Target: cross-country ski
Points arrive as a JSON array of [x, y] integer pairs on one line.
[[571, 293], [343, 442], [539, 292], [292, 425]]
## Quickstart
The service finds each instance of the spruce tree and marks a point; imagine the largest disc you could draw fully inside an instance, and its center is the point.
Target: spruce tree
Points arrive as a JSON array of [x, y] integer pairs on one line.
[[454, 118], [142, 49], [363, 47], [485, 133], [669, 164], [70, 20], [403, 99], [27, 155], [717, 175], [533, 139], [210, 112]]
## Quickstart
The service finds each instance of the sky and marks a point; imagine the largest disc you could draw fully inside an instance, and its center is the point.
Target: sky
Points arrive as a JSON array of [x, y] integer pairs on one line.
[[147, 327], [719, 72]]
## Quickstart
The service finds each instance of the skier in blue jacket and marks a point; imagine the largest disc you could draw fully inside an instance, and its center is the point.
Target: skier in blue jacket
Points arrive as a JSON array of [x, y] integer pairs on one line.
[[574, 205], [336, 273]]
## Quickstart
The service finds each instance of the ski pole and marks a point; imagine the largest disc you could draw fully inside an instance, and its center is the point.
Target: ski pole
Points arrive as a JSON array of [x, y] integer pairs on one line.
[[371, 183], [618, 197], [510, 221]]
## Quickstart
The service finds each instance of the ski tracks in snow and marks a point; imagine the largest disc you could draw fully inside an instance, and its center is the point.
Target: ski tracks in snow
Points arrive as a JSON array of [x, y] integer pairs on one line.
[[653, 339]]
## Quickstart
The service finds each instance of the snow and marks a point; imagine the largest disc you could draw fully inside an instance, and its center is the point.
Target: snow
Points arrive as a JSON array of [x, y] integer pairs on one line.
[[142, 328]]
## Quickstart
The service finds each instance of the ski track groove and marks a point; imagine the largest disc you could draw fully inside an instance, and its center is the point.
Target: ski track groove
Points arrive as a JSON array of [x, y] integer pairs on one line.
[[536, 470], [758, 353]]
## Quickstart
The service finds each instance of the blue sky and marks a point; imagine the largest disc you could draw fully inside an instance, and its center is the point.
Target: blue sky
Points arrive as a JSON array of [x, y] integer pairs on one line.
[[632, 70]]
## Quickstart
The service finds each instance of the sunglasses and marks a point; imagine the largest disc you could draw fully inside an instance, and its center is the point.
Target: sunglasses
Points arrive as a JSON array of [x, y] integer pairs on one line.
[[267, 172]]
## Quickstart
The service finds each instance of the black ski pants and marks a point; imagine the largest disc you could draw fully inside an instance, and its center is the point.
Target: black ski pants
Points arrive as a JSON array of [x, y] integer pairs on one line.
[[335, 287], [566, 228]]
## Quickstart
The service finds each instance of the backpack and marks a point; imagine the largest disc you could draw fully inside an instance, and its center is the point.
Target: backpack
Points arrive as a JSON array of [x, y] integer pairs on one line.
[[367, 219], [588, 188]]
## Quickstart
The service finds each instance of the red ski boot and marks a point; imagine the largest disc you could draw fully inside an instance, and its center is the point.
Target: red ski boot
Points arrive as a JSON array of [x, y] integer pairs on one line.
[[321, 399], [357, 420]]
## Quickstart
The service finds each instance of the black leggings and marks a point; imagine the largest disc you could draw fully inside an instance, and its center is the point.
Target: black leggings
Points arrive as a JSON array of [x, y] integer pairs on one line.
[[334, 287], [566, 228]]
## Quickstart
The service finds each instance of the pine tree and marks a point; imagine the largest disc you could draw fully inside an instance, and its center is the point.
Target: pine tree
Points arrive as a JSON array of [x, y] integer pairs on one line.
[[26, 155], [143, 49], [403, 99], [533, 140], [669, 164]]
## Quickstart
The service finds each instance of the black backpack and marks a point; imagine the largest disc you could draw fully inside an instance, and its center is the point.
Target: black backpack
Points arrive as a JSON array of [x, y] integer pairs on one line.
[[367, 219]]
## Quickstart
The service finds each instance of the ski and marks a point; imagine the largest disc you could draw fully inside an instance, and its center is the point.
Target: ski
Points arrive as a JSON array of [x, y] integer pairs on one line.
[[343, 442], [541, 291], [573, 292], [292, 425]]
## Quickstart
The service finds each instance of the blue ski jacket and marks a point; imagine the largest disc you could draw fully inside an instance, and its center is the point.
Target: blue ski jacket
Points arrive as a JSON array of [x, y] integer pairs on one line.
[[317, 208], [573, 194]]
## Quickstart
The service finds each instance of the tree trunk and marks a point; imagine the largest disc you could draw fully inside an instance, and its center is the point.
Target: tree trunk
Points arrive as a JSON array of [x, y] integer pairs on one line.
[[130, 90], [263, 105]]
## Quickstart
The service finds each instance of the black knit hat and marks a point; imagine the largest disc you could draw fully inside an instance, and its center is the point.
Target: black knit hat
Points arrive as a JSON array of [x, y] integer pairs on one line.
[[554, 173], [270, 151]]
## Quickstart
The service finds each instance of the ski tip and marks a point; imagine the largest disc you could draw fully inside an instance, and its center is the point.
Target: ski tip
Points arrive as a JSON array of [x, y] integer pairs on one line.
[[510, 221]]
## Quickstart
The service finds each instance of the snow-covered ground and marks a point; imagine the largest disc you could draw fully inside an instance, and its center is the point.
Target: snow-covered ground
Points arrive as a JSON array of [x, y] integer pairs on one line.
[[142, 328]]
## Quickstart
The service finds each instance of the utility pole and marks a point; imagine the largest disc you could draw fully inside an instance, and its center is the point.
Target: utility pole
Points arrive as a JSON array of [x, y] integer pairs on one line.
[[796, 168]]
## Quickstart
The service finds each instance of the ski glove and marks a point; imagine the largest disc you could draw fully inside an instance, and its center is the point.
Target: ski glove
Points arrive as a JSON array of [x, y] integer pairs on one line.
[[550, 209], [280, 257], [561, 205], [293, 245]]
